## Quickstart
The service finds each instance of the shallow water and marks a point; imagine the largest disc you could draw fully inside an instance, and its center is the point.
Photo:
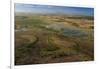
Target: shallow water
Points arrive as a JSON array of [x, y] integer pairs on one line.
[[74, 32]]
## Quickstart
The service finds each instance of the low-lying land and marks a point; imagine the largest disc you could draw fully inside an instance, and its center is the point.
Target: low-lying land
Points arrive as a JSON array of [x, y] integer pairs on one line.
[[43, 39]]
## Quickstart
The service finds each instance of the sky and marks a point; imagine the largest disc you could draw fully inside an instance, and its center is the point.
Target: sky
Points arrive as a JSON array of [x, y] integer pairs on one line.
[[49, 9]]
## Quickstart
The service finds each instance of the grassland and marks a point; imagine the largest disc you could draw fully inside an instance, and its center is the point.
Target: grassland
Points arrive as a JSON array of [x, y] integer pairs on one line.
[[41, 39]]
